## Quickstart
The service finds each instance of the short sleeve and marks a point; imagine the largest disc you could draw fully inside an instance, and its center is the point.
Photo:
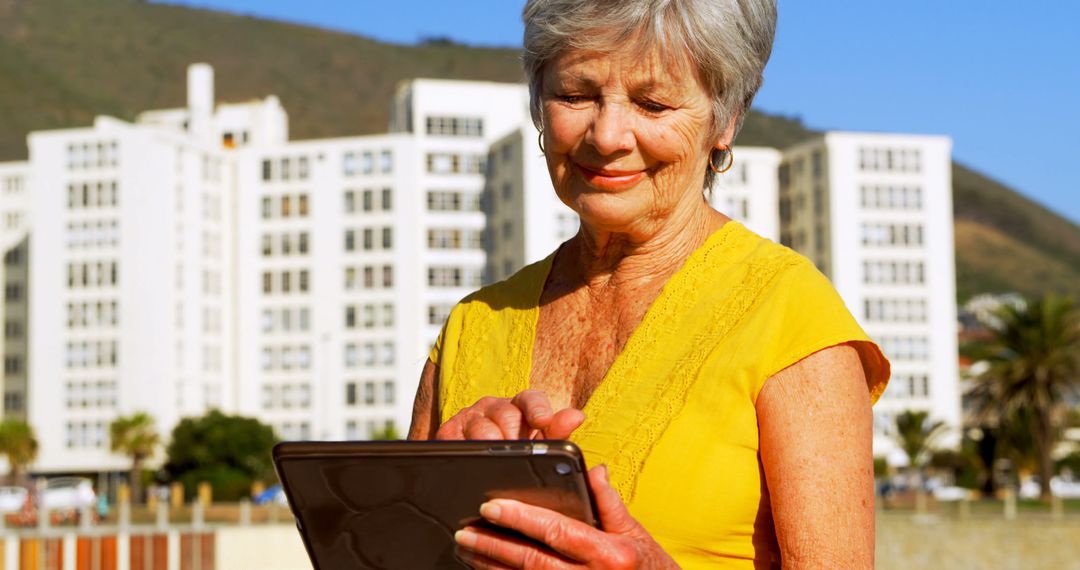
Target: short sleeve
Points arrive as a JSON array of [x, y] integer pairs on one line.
[[436, 350], [805, 315]]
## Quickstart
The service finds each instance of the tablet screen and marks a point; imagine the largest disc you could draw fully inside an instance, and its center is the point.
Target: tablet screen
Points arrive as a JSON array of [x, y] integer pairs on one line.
[[394, 510]]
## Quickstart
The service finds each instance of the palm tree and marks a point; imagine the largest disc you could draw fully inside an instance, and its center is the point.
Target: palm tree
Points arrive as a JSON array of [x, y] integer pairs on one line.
[[1033, 366], [19, 445], [135, 436], [915, 434]]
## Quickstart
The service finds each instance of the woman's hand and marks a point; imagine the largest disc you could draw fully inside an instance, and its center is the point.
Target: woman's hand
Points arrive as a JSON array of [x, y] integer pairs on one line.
[[570, 543], [526, 416]]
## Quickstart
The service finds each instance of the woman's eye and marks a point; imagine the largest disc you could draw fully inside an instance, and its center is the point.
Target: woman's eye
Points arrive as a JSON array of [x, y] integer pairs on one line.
[[571, 99], [653, 107]]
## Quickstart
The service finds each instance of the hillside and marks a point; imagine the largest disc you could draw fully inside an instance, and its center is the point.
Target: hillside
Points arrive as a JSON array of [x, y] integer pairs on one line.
[[62, 62]]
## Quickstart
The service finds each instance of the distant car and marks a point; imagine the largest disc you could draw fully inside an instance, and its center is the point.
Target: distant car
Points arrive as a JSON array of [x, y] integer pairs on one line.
[[1059, 487], [951, 493], [12, 499], [67, 494]]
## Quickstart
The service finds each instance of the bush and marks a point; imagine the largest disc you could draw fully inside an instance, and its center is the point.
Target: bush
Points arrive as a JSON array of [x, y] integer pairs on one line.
[[229, 452]]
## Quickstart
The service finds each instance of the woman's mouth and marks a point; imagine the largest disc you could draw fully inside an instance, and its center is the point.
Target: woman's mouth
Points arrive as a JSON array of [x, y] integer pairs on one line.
[[609, 178]]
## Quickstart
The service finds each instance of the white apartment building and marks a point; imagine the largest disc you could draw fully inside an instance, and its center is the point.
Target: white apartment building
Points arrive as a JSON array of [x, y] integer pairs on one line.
[[526, 221], [874, 212], [351, 253], [14, 279], [198, 259]]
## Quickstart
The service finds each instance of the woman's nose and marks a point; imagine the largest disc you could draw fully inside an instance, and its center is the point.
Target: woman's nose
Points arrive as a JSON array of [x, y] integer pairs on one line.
[[610, 131]]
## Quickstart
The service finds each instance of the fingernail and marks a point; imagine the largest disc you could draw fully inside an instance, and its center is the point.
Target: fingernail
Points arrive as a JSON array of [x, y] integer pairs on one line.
[[490, 511], [465, 538], [603, 472]]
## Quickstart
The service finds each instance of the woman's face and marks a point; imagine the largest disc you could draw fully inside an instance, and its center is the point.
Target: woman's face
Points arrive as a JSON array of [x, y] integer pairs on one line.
[[627, 138]]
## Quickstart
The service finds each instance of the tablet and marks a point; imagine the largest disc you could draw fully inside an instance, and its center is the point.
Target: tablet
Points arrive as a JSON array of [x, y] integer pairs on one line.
[[397, 504]]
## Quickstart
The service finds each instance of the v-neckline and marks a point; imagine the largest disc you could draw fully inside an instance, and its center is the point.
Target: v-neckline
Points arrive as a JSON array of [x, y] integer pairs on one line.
[[605, 389]]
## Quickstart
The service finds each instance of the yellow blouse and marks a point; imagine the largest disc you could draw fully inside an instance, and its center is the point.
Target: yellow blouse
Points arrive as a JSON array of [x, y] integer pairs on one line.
[[674, 418]]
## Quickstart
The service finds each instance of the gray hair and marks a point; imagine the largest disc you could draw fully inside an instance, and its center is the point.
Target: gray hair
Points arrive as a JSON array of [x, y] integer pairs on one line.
[[729, 42]]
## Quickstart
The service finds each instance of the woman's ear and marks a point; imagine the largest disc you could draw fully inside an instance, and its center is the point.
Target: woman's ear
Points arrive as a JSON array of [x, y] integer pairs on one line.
[[724, 140]]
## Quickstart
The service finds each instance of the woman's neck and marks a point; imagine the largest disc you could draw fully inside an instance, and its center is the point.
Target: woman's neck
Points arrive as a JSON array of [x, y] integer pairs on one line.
[[604, 259]]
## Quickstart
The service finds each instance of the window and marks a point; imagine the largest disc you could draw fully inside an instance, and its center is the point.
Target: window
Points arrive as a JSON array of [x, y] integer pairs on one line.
[[302, 168], [369, 316], [442, 276], [444, 238], [350, 240], [286, 244], [367, 162], [388, 315], [443, 163], [348, 164], [387, 199], [286, 282], [267, 245], [369, 393], [302, 243], [387, 238], [386, 161], [302, 205], [388, 392], [368, 198], [286, 205], [437, 314], [443, 201], [303, 280], [369, 239], [350, 201], [267, 208], [388, 353], [350, 317], [895, 310], [266, 170], [388, 276], [350, 278], [350, 394], [268, 282]]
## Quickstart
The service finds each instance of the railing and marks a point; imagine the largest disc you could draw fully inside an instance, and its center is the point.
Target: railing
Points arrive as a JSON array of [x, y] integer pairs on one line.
[[163, 538]]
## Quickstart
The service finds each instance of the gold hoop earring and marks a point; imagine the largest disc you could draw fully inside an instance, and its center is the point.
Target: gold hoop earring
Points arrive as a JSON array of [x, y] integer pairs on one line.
[[730, 155], [540, 142]]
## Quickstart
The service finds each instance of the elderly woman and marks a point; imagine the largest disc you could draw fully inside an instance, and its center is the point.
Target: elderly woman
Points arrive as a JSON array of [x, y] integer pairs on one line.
[[715, 378]]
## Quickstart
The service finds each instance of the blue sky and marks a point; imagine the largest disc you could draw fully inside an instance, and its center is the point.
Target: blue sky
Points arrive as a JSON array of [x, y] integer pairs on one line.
[[1001, 78]]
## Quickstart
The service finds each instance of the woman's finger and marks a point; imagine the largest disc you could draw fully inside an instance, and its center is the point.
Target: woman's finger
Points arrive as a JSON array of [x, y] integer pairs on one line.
[[563, 423], [566, 536], [614, 516], [488, 547], [536, 408], [451, 430], [482, 427]]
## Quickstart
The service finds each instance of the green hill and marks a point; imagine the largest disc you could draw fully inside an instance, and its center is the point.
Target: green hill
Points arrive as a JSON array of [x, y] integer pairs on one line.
[[62, 62]]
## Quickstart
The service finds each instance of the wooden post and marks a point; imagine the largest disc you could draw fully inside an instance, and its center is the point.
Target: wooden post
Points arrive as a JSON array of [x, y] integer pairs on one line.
[[162, 516], [1057, 507], [1010, 504], [206, 494], [176, 495]]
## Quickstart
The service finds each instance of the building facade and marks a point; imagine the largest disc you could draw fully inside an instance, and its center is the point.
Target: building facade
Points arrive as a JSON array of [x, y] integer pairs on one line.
[[15, 280], [874, 213]]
